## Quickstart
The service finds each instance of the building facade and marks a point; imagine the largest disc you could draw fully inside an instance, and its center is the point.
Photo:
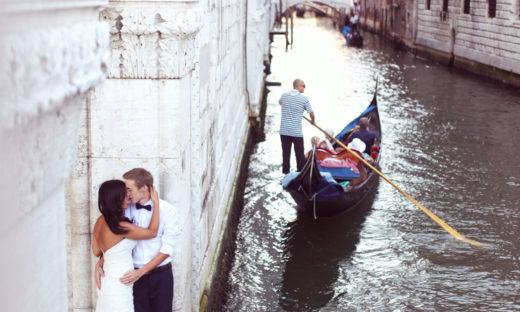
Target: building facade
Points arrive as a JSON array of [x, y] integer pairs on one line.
[[91, 89], [480, 36], [53, 54]]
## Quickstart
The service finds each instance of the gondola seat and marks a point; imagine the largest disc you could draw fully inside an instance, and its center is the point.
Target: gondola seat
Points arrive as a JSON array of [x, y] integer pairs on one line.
[[340, 174]]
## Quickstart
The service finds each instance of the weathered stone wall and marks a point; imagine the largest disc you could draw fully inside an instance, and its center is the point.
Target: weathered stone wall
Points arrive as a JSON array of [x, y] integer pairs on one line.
[[223, 125], [475, 36], [176, 103], [52, 54], [484, 45], [260, 18], [490, 41], [374, 14]]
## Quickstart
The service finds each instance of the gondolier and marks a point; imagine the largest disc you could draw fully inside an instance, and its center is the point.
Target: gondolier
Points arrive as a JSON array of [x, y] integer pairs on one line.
[[328, 184], [293, 104]]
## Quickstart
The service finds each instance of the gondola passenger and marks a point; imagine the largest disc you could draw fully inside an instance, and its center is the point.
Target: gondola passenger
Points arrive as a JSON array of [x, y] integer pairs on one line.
[[358, 146], [365, 135]]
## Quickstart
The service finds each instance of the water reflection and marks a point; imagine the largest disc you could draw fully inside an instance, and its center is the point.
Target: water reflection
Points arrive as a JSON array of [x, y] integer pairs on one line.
[[450, 141], [314, 249]]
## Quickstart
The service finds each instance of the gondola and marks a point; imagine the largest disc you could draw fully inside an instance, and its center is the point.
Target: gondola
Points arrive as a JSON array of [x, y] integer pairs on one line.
[[317, 200], [355, 41]]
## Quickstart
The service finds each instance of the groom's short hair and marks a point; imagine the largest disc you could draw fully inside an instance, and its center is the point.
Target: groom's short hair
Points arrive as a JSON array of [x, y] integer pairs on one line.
[[140, 176]]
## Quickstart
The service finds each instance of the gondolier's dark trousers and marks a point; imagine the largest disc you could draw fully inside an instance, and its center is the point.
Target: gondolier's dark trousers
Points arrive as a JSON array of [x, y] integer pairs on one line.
[[287, 142]]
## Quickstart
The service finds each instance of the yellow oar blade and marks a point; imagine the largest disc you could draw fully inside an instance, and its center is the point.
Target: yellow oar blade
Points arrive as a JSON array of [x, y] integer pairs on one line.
[[443, 224]]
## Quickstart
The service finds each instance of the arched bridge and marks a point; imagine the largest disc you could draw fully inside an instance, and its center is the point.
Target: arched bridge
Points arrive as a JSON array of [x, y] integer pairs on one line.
[[339, 5]]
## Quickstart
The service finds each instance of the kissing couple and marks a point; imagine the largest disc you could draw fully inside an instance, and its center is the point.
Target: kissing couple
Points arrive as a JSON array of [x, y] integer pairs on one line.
[[134, 238]]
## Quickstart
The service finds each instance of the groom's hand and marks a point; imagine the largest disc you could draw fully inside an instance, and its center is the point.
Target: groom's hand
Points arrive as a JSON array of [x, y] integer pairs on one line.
[[131, 277], [99, 273]]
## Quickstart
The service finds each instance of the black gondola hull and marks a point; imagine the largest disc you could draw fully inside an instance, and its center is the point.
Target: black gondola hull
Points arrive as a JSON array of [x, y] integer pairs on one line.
[[355, 41], [330, 207]]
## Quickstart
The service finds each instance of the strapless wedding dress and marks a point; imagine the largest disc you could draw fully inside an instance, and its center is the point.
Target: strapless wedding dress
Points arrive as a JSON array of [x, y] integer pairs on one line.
[[114, 296]]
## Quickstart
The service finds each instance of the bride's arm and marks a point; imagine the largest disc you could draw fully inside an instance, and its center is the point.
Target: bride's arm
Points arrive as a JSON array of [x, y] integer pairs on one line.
[[136, 232], [96, 250], [98, 272]]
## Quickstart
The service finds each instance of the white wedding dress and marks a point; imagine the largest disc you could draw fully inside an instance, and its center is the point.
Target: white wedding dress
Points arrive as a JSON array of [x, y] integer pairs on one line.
[[114, 296]]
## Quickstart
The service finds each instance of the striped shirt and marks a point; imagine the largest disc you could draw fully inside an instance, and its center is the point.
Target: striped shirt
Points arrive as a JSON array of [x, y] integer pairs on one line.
[[293, 103]]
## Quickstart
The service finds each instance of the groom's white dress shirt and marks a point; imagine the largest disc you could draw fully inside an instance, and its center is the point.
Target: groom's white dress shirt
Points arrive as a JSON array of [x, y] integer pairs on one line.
[[166, 237]]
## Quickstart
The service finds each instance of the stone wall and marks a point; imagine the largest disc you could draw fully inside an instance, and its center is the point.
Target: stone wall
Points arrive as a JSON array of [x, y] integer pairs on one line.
[[176, 103], [52, 54], [475, 41], [475, 36], [260, 18]]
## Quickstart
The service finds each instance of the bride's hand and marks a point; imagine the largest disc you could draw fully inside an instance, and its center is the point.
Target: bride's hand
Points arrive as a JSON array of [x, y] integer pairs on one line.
[[154, 194]]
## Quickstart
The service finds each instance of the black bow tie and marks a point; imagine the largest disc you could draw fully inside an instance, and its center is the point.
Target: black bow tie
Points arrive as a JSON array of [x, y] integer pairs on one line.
[[147, 207]]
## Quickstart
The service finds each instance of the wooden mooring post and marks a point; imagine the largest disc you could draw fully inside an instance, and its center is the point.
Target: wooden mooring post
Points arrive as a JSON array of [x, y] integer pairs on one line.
[[278, 25]]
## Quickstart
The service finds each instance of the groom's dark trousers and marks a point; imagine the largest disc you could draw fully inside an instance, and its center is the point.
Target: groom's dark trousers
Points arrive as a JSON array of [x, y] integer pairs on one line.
[[153, 292]]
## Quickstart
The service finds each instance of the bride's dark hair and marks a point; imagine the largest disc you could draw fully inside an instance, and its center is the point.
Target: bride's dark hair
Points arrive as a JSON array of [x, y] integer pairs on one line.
[[110, 198]]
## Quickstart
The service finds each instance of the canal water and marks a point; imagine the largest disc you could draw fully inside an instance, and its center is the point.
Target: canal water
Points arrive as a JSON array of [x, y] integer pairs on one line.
[[450, 140]]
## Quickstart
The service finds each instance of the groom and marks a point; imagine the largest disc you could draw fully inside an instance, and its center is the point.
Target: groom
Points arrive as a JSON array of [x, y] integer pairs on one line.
[[152, 277]]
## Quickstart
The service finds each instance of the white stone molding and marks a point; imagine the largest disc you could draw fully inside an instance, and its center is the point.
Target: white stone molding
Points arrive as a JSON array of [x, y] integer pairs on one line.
[[52, 54], [42, 68], [152, 41]]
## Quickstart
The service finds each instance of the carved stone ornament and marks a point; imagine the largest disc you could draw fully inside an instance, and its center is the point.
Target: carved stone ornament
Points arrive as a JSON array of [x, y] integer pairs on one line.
[[152, 41], [42, 69]]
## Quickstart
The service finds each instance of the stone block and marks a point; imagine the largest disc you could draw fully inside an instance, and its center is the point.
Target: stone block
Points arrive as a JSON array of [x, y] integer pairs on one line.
[[39, 235], [78, 205], [82, 275], [175, 187], [174, 118], [38, 161], [124, 119]]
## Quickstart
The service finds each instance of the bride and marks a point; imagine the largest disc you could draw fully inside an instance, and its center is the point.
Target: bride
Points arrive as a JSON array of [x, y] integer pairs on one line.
[[114, 238]]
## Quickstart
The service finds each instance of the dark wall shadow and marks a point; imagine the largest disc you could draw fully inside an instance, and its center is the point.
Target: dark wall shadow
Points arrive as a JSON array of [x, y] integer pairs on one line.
[[314, 249]]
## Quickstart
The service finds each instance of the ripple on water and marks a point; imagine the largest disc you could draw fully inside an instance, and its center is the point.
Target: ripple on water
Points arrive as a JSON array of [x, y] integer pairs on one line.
[[441, 144]]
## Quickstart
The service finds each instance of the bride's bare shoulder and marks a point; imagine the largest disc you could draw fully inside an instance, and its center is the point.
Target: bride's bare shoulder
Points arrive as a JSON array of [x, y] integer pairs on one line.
[[100, 223]]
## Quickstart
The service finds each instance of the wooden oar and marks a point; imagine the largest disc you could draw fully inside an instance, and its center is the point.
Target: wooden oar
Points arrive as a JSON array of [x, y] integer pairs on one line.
[[430, 214]]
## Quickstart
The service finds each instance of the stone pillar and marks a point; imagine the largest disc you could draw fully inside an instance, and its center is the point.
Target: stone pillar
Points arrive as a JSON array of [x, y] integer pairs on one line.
[[80, 275], [142, 115], [259, 23], [52, 54]]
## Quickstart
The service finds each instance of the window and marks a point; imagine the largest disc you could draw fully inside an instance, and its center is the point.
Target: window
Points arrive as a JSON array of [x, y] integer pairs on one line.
[[492, 9], [444, 12], [428, 2], [466, 6]]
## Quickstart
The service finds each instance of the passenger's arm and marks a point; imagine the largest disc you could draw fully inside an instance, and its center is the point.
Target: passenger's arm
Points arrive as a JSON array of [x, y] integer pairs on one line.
[[136, 232], [362, 175], [362, 170]]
